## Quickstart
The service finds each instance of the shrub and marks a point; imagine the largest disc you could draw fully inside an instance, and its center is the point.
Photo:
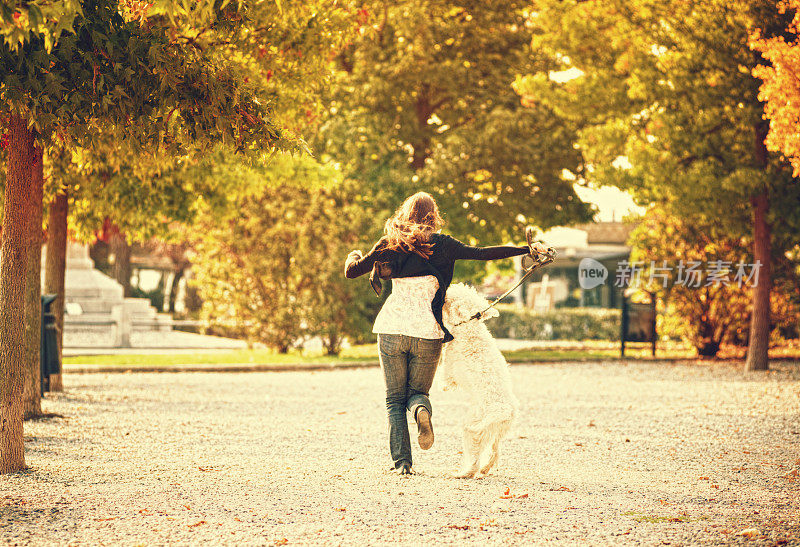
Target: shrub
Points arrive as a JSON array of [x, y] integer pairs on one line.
[[561, 324], [270, 270], [712, 314]]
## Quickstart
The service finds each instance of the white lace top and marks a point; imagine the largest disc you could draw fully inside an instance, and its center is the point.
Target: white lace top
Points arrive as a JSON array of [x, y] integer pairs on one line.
[[408, 309]]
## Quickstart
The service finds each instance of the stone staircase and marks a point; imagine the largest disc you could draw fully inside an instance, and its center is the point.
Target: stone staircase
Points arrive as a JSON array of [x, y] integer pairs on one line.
[[96, 311]]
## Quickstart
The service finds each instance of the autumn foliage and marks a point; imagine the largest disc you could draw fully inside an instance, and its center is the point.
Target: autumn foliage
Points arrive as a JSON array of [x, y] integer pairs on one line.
[[780, 89], [712, 313]]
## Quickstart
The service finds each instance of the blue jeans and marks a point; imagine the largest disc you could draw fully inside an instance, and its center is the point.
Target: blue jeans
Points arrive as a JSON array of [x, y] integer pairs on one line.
[[409, 365]]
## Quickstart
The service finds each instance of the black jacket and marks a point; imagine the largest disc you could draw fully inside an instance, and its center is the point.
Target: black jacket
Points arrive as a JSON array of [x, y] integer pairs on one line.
[[444, 253]]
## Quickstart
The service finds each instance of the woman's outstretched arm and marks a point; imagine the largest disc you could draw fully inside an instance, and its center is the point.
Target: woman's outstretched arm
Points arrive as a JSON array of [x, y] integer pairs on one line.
[[467, 252]]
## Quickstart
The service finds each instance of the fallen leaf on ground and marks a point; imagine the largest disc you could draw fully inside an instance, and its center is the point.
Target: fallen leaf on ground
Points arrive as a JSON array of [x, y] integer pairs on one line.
[[749, 533], [509, 496]]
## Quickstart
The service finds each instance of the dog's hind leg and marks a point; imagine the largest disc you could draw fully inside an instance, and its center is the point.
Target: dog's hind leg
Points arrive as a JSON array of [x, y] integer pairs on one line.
[[470, 462], [494, 454]]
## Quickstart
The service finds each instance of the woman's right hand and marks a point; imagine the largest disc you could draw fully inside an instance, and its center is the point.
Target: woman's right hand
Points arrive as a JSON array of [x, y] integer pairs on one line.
[[353, 257]]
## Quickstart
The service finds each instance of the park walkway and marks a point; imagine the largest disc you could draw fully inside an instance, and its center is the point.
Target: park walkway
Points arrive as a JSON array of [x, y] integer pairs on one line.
[[609, 453]]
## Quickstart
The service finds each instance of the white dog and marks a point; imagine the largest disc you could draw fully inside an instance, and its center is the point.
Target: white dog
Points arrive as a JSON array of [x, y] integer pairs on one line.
[[472, 362]]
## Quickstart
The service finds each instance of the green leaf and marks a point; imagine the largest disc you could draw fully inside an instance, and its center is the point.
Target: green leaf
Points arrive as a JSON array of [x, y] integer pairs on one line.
[[35, 15]]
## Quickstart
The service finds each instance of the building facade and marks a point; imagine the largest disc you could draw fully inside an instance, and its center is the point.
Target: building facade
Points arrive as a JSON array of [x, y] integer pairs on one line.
[[558, 284]]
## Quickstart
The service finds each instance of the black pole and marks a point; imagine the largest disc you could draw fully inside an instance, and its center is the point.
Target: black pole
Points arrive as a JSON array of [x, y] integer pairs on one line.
[[653, 326], [43, 377], [49, 361], [623, 325]]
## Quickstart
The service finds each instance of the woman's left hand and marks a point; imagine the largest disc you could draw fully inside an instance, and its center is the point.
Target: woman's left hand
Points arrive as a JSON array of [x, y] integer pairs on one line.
[[539, 248]]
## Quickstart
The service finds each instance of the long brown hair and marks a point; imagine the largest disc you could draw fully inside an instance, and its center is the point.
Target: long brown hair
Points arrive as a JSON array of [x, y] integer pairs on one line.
[[410, 228]]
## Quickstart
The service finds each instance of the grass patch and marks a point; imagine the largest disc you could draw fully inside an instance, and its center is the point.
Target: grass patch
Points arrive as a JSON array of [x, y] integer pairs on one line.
[[233, 357], [638, 516], [592, 354], [525, 355], [363, 353]]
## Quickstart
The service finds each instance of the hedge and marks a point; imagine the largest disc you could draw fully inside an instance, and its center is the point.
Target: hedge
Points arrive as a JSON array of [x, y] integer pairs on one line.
[[560, 324]]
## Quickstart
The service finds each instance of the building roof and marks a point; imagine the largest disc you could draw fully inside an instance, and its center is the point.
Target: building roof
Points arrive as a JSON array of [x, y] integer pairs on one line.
[[602, 241], [570, 257], [614, 233]]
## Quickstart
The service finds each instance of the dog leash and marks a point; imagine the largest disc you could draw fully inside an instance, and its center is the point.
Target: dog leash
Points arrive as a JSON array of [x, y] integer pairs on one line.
[[542, 259], [548, 258]]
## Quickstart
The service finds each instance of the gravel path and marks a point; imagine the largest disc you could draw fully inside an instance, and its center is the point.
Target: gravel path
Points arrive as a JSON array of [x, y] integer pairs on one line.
[[603, 454]]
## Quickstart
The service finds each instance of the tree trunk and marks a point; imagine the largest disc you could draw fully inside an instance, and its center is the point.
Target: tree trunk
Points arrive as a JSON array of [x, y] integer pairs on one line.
[[757, 350], [13, 259], [758, 343], [173, 289], [160, 294], [708, 349], [122, 261], [332, 344], [55, 267], [423, 111], [31, 388], [421, 153]]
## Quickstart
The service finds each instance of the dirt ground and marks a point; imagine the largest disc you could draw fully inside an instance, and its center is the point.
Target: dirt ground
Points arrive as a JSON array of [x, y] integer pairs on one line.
[[604, 453]]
